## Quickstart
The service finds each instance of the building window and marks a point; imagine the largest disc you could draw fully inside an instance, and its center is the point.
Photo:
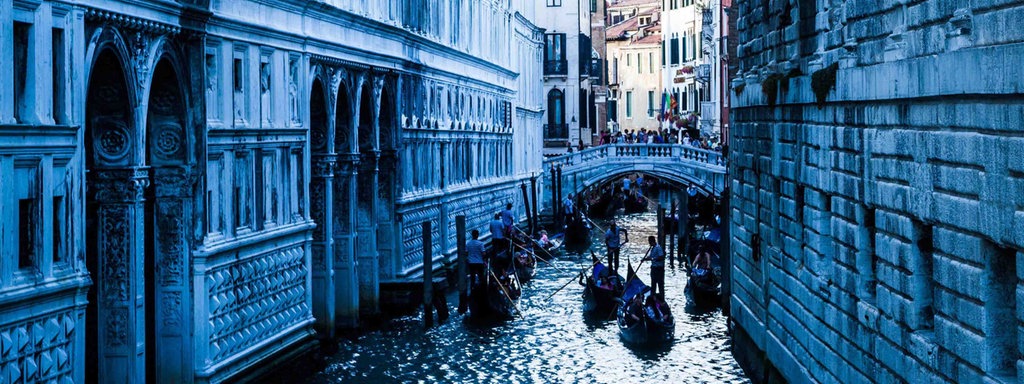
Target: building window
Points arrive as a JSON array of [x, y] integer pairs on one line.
[[593, 6], [650, 103], [554, 54], [629, 61], [554, 3], [650, 61], [22, 33], [674, 53], [556, 115], [639, 64], [629, 104], [57, 46]]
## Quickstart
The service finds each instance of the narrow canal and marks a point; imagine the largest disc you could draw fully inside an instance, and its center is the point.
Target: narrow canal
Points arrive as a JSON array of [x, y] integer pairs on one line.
[[552, 343]]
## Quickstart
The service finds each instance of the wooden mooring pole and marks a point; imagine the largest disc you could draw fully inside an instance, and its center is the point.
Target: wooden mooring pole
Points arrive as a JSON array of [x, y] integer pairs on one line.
[[460, 244], [428, 276]]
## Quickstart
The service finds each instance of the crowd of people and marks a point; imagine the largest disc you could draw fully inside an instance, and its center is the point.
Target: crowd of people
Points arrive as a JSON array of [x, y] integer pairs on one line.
[[654, 136]]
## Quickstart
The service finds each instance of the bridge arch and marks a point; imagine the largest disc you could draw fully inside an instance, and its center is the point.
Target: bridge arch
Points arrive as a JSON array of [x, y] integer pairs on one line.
[[677, 164]]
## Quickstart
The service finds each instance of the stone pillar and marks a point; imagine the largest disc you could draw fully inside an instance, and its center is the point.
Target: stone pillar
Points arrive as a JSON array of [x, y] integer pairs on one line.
[[366, 238], [346, 282], [173, 186], [119, 279], [387, 234], [321, 189]]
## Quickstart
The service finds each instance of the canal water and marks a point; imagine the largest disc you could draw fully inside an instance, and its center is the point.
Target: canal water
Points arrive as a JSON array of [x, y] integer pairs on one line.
[[553, 342]]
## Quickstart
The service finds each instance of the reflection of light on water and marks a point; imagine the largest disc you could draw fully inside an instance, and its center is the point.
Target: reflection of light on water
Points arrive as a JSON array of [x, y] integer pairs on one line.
[[555, 342]]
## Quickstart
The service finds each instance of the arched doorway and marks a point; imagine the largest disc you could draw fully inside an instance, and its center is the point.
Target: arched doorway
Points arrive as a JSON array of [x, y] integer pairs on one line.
[[168, 207], [138, 212], [321, 187], [366, 199], [113, 206], [346, 280]]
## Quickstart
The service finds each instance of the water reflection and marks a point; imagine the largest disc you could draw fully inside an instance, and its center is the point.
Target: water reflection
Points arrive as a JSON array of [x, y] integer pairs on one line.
[[554, 341]]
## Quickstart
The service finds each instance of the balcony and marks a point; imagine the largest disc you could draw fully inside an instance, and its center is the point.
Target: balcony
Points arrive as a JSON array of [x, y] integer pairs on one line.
[[703, 73], [556, 132], [556, 67]]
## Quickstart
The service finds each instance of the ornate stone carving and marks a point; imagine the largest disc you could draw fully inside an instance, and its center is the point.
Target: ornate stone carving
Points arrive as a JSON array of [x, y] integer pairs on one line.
[[171, 309], [139, 47], [317, 208], [172, 181], [168, 141], [115, 248], [252, 299], [39, 349], [117, 327], [293, 91], [114, 139], [171, 237]]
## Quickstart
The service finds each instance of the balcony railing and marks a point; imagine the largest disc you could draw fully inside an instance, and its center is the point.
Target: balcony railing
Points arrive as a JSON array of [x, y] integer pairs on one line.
[[556, 131], [556, 67]]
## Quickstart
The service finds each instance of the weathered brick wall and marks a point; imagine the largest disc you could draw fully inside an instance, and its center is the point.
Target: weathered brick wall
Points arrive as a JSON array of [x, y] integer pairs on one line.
[[877, 235]]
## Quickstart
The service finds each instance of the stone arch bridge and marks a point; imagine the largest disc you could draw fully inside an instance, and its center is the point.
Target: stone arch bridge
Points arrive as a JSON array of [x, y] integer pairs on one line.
[[674, 163]]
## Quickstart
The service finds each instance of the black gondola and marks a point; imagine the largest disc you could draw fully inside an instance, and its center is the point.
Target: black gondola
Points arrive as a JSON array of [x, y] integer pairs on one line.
[[602, 290], [643, 318], [525, 265], [577, 232], [493, 299], [635, 204], [704, 283], [600, 207]]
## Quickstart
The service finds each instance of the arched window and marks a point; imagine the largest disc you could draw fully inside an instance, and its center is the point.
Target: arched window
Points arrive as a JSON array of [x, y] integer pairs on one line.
[[556, 107]]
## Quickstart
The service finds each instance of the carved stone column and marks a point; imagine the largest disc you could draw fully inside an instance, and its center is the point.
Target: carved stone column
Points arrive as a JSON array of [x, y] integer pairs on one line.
[[346, 281], [366, 238], [322, 209], [120, 282], [172, 299], [387, 234]]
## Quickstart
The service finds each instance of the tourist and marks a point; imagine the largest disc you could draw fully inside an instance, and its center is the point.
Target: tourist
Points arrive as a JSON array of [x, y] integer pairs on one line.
[[657, 258], [475, 258], [498, 235], [567, 206], [613, 241], [507, 218]]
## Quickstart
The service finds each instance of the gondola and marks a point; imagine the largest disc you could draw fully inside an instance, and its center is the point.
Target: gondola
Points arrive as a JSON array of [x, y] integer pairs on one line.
[[577, 232], [601, 206], [643, 318], [547, 250], [602, 298], [635, 204], [525, 265], [704, 285], [492, 300]]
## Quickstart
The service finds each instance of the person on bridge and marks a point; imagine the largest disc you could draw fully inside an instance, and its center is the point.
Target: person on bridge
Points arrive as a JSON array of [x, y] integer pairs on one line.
[[508, 219], [475, 258], [498, 235], [657, 258], [613, 240]]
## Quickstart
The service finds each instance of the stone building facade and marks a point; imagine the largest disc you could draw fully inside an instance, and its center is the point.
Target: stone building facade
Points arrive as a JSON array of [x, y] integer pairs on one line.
[[568, 69], [634, 48], [877, 196], [199, 188]]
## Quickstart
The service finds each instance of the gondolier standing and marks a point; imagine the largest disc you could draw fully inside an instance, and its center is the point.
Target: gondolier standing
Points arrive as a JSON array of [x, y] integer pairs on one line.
[[657, 257], [498, 235], [475, 259], [613, 241], [508, 219]]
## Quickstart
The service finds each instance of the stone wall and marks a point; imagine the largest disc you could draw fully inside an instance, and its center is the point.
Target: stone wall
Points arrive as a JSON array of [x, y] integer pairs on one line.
[[878, 219]]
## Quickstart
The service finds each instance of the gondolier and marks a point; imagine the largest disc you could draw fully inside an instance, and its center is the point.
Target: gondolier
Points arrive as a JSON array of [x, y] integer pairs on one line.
[[657, 258], [612, 240], [475, 258]]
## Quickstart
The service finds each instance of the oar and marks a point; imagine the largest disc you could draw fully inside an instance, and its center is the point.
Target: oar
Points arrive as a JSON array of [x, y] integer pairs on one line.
[[574, 278], [541, 259], [505, 292]]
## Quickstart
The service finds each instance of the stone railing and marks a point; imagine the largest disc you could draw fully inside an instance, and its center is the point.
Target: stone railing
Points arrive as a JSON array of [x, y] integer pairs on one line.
[[632, 152]]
